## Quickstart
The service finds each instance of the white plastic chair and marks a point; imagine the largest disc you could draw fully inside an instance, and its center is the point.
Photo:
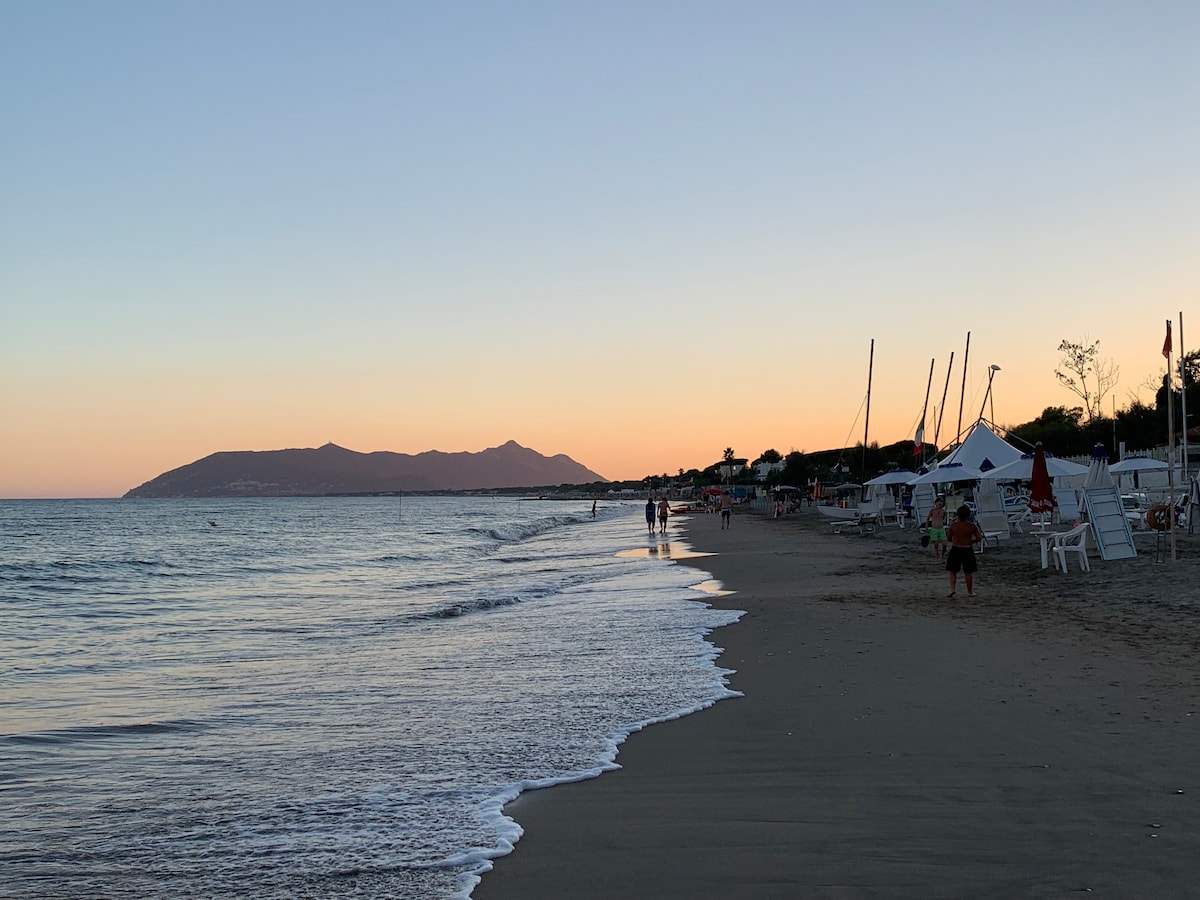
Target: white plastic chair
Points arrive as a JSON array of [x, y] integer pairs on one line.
[[1073, 541], [1017, 516]]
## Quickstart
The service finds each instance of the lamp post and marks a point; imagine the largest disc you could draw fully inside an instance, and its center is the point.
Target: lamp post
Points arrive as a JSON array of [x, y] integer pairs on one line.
[[987, 395]]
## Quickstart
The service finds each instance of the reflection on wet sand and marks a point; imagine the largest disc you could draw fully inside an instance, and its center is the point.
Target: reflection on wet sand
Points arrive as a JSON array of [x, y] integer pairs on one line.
[[677, 550], [663, 550]]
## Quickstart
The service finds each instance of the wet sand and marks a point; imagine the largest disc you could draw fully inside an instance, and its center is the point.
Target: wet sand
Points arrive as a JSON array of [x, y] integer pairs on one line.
[[1042, 740]]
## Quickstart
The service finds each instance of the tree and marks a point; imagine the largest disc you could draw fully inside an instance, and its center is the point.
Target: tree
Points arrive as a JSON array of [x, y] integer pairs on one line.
[[1087, 374], [797, 469], [769, 456], [1139, 427], [1058, 429], [728, 455]]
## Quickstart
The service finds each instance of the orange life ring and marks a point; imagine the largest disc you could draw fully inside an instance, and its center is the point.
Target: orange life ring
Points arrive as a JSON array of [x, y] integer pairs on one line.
[[1155, 518]]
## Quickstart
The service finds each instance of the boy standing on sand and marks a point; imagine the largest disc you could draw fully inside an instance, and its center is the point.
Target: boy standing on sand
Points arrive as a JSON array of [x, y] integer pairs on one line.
[[936, 523], [964, 535]]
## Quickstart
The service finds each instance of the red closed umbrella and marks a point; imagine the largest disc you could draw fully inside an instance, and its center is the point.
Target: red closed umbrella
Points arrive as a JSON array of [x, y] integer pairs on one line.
[[1041, 494]]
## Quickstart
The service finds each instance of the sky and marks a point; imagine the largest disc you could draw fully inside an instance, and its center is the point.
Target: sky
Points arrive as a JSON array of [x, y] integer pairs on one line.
[[636, 233]]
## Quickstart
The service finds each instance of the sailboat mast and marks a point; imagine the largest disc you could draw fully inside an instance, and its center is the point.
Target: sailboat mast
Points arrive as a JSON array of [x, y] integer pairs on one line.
[[925, 408], [937, 432], [867, 424], [963, 393]]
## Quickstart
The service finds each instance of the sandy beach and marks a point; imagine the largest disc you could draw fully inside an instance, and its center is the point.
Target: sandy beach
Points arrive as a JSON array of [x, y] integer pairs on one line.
[[1041, 740]]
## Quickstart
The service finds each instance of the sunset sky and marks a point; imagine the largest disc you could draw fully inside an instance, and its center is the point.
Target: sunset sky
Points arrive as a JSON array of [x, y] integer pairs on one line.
[[636, 233]]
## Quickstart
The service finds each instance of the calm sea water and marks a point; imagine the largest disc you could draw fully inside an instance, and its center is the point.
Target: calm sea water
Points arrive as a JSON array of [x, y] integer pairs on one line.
[[319, 697]]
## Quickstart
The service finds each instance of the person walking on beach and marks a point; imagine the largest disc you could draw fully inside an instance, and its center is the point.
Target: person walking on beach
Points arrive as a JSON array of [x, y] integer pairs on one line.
[[726, 508], [664, 510], [593, 509], [650, 515], [964, 535], [936, 523]]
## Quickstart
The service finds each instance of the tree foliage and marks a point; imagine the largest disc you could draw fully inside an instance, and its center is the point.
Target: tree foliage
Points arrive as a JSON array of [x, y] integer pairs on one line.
[[1087, 374], [797, 469]]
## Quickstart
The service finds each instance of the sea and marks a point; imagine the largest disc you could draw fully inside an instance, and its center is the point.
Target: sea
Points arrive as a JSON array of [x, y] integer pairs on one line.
[[321, 697]]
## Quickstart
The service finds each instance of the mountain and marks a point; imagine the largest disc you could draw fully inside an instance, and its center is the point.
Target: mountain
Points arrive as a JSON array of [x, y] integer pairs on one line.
[[335, 470]]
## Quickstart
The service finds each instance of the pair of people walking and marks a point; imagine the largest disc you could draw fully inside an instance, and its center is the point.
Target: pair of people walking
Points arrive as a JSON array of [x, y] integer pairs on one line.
[[662, 512]]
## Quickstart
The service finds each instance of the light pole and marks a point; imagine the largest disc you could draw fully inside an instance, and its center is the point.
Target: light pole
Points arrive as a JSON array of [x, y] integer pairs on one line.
[[992, 370]]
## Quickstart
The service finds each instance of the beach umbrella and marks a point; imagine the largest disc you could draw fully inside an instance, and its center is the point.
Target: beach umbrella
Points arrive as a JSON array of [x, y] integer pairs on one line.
[[896, 476], [1022, 469], [1136, 464], [1041, 495], [947, 472], [1098, 475]]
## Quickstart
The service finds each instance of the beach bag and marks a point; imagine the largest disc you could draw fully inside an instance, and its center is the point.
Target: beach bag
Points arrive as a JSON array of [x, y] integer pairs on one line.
[[924, 540]]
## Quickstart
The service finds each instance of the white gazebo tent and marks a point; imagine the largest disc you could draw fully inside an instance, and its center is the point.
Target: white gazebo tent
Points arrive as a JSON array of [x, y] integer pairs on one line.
[[983, 444]]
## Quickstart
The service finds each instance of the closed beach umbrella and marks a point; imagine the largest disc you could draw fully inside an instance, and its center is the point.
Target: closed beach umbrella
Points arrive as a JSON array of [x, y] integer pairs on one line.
[[1041, 495], [1098, 474]]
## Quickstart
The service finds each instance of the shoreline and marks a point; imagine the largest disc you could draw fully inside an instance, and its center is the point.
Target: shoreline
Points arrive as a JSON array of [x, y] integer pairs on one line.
[[1039, 741]]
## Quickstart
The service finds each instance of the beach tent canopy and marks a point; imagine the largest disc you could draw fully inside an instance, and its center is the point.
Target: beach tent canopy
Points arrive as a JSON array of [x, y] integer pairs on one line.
[[983, 443], [947, 472], [1021, 469], [1136, 464]]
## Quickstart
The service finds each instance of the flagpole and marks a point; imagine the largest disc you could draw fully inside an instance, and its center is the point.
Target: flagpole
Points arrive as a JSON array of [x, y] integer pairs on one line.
[[1183, 395], [1170, 441]]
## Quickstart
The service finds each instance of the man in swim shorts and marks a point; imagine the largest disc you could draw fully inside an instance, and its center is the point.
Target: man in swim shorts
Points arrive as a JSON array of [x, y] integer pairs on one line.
[[964, 535], [726, 508]]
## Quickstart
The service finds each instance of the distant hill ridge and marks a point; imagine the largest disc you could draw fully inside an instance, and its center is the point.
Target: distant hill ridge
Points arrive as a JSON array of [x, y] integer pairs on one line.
[[335, 470]]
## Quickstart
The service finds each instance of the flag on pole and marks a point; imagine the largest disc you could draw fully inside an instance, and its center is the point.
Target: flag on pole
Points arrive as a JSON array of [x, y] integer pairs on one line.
[[1167, 342], [919, 439]]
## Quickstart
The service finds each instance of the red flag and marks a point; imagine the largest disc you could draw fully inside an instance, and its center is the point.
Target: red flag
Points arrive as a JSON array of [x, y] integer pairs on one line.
[[1167, 342]]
